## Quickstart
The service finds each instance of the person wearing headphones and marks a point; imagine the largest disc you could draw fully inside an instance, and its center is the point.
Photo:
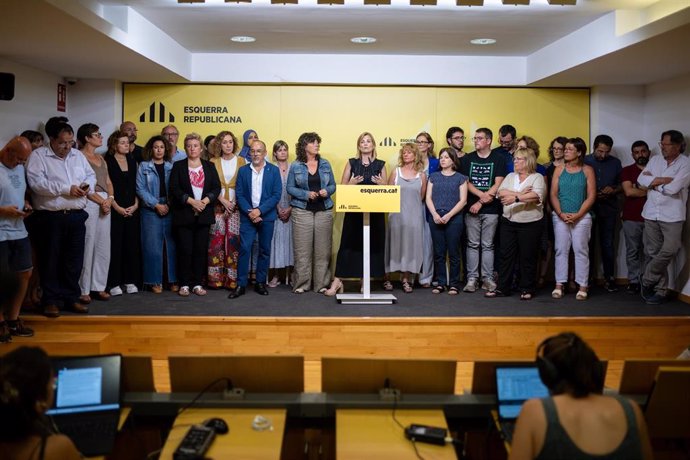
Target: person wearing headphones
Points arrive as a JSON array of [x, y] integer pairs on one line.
[[26, 392], [577, 421]]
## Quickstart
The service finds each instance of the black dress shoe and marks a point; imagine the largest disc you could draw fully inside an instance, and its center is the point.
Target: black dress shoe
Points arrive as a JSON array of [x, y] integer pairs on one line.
[[237, 292], [260, 288]]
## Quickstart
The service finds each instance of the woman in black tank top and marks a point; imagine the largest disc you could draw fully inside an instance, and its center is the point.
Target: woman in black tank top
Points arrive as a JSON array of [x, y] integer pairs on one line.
[[577, 421]]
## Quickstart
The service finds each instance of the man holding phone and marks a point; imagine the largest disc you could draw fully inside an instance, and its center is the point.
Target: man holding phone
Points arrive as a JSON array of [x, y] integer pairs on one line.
[[60, 178], [15, 249]]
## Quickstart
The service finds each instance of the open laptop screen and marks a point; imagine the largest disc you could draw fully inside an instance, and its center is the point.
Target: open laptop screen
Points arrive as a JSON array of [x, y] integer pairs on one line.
[[86, 384], [514, 386]]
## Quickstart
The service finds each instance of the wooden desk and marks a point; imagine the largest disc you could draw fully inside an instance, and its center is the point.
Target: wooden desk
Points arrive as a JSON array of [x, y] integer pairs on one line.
[[372, 433], [242, 441]]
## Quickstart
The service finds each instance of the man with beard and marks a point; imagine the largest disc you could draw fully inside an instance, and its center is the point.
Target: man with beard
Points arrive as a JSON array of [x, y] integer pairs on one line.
[[607, 170], [633, 223], [129, 128]]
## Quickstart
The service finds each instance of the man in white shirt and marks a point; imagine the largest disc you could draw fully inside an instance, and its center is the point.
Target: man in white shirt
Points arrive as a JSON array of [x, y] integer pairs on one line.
[[258, 190], [666, 178], [60, 178]]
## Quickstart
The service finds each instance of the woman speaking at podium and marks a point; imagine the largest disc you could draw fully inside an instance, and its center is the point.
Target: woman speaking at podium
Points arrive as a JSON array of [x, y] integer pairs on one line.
[[364, 169]]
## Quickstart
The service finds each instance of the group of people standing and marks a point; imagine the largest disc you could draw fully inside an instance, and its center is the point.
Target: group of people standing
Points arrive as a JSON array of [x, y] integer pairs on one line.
[[217, 215]]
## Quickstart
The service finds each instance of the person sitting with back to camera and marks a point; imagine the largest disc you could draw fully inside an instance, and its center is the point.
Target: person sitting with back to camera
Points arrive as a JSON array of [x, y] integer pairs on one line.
[[577, 421], [26, 392]]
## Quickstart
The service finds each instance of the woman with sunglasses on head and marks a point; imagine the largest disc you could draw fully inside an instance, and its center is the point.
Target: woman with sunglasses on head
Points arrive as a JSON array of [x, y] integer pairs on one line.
[[572, 195], [94, 274], [577, 422]]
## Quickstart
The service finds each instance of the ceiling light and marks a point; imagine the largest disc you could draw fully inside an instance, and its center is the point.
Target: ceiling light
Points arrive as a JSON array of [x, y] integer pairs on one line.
[[562, 2], [243, 39], [363, 40], [470, 2], [483, 41], [516, 2]]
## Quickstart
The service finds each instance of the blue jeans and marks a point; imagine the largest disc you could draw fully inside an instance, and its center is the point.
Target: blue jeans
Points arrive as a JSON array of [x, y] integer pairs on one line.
[[156, 233], [446, 238]]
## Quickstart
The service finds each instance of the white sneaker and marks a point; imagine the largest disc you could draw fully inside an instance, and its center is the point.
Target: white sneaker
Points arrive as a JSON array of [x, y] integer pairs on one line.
[[117, 290], [131, 289], [471, 285], [489, 285]]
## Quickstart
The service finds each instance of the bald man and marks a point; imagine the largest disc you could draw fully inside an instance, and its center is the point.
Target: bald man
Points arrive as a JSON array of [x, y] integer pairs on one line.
[[15, 249]]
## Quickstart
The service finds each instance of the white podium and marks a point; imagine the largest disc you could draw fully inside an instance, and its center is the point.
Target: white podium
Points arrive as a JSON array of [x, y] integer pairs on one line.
[[367, 199]]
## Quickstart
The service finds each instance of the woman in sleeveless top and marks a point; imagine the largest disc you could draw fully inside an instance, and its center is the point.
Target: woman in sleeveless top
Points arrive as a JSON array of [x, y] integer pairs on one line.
[[404, 238], [577, 422], [365, 169], [224, 245], [125, 227], [26, 392], [94, 273], [281, 246], [573, 191]]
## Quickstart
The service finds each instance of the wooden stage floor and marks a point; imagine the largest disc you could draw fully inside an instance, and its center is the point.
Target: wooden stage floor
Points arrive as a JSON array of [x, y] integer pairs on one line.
[[460, 339]]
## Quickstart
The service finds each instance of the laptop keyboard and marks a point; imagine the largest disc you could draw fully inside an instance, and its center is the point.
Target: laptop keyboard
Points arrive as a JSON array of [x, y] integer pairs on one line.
[[92, 434]]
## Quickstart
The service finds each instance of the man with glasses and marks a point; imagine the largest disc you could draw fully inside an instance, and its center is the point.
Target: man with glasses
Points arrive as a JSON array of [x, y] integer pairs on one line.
[[666, 178], [130, 129], [507, 135], [60, 178], [485, 170], [607, 170], [455, 137], [172, 134], [258, 191]]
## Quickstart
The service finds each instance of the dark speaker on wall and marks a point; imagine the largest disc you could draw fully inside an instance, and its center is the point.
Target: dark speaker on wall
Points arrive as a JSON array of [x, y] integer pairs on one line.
[[6, 86]]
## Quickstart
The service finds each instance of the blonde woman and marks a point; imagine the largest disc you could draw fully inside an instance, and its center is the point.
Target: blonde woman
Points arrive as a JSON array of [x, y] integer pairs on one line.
[[405, 235], [364, 169], [224, 245]]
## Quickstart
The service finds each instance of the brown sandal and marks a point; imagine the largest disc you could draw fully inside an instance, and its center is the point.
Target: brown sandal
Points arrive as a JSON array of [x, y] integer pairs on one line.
[[406, 287]]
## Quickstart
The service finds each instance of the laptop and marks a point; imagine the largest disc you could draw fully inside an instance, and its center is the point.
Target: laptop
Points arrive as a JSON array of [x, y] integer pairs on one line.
[[86, 406], [514, 386]]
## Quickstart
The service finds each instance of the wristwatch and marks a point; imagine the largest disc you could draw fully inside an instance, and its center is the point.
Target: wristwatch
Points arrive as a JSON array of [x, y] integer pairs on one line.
[[517, 199]]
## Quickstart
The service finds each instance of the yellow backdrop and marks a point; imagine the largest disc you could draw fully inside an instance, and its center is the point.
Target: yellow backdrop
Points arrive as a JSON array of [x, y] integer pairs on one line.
[[341, 113]]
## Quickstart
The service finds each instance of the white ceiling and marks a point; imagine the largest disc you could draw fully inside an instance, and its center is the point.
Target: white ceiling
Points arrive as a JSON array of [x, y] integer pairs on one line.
[[595, 42]]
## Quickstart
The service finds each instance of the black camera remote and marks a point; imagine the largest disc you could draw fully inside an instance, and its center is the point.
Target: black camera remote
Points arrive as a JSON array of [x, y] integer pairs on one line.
[[195, 443]]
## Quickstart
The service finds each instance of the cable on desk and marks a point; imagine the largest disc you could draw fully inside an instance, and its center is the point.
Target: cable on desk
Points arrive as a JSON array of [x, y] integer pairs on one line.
[[202, 392]]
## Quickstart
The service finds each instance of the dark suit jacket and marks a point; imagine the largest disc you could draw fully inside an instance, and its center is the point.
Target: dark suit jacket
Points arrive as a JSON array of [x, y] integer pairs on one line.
[[181, 189], [271, 190]]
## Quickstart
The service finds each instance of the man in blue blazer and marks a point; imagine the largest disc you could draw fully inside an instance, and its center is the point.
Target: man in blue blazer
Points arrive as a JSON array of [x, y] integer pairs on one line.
[[258, 191]]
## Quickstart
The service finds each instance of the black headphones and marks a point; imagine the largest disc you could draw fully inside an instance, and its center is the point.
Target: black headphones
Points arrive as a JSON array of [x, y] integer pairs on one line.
[[548, 372]]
